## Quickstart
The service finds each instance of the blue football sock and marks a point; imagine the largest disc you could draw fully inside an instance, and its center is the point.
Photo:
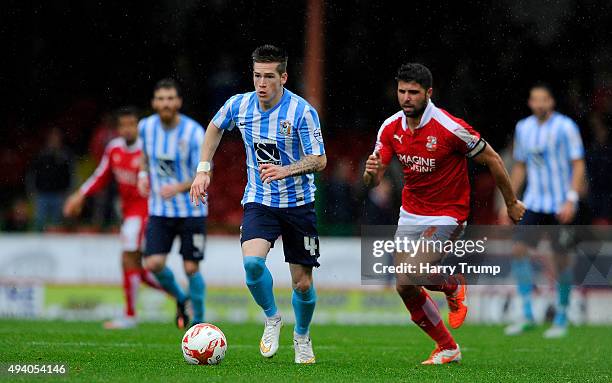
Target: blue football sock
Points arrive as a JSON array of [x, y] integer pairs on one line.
[[259, 281], [303, 307], [564, 287], [197, 293], [523, 272], [168, 282]]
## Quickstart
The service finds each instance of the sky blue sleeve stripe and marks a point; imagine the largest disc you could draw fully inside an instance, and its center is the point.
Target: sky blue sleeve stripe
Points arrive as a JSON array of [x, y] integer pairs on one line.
[[223, 118], [235, 107], [576, 148], [317, 122], [518, 150], [142, 134], [304, 132]]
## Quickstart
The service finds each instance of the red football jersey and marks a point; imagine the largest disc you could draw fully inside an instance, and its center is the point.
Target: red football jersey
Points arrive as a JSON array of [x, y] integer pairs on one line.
[[434, 160], [122, 162]]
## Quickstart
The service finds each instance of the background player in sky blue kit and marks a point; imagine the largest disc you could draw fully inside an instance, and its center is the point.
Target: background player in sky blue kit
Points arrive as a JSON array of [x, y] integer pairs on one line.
[[171, 149], [284, 147], [548, 152]]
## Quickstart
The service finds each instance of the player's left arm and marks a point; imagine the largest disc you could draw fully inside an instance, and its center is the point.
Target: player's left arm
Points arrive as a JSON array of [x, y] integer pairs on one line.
[[494, 162], [568, 210], [308, 164]]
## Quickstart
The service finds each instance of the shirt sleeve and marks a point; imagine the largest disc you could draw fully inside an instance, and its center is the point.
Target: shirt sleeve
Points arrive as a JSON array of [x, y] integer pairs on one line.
[[142, 135], [384, 145], [224, 119], [468, 141], [574, 141], [518, 151], [100, 177], [309, 131]]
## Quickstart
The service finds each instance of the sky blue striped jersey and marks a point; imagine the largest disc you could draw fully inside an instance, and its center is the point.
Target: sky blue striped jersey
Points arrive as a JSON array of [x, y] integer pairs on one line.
[[548, 151], [173, 156], [281, 135]]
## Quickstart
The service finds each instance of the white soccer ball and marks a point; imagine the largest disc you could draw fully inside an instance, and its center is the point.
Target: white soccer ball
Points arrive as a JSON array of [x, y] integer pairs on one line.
[[204, 343]]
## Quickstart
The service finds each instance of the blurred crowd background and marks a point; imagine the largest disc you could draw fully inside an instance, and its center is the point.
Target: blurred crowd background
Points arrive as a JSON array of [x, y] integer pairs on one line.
[[68, 65]]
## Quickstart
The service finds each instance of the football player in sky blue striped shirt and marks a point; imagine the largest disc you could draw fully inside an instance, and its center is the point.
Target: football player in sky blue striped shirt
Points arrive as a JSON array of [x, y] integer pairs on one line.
[[171, 145], [549, 154], [284, 147]]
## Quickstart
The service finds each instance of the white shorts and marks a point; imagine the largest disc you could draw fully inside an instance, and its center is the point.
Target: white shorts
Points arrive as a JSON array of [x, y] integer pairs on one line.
[[132, 233], [436, 228]]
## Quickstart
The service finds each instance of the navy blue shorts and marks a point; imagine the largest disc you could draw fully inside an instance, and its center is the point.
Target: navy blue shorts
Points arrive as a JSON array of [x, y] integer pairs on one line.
[[297, 225], [546, 225], [161, 232]]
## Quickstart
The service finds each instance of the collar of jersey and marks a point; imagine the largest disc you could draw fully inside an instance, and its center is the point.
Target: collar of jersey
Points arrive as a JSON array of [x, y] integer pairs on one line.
[[427, 115], [278, 104], [180, 122]]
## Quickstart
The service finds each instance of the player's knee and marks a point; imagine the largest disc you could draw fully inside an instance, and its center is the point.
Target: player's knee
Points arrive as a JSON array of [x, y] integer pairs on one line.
[[155, 264], [407, 291], [302, 285], [254, 267], [191, 268], [519, 250]]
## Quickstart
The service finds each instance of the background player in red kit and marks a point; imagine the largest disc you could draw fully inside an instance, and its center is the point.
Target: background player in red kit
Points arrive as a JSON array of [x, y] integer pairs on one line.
[[121, 160], [432, 145]]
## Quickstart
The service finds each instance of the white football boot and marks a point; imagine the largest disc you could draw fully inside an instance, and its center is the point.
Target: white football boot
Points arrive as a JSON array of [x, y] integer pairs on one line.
[[444, 356], [270, 338], [556, 332], [303, 349], [121, 323], [519, 328]]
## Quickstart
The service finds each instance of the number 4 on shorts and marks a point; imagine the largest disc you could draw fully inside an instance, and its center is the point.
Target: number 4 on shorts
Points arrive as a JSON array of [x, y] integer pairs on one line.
[[310, 244]]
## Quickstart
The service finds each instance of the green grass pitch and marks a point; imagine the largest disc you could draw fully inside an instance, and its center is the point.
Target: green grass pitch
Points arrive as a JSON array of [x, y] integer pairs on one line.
[[151, 353]]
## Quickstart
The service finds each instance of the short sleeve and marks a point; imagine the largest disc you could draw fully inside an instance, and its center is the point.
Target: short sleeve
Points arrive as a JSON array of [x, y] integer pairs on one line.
[[224, 118], [518, 150], [384, 145], [468, 142], [309, 130], [142, 135], [574, 141]]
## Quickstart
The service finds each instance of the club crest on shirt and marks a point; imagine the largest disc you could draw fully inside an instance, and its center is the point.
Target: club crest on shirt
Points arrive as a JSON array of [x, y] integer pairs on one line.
[[432, 143], [285, 128], [182, 144]]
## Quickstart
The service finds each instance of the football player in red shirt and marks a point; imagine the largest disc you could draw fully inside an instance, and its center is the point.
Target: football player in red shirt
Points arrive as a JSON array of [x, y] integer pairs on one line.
[[121, 161], [432, 145]]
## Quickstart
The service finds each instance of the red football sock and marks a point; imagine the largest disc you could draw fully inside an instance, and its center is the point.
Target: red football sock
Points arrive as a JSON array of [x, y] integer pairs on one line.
[[131, 282], [445, 283], [425, 313], [149, 279]]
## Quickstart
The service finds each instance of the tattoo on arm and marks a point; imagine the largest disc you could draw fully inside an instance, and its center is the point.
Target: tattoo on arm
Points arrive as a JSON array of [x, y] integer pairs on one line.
[[308, 164]]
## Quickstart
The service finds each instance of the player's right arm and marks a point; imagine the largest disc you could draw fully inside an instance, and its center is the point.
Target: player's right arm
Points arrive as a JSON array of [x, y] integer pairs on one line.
[[377, 162], [374, 170], [518, 173], [96, 182]]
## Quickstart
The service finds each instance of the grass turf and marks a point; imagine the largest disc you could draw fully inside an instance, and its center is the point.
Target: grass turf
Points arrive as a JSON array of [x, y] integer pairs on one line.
[[152, 353]]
